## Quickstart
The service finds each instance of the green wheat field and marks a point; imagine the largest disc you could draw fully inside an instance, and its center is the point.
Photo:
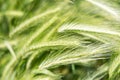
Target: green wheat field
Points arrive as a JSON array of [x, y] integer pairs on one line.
[[59, 39]]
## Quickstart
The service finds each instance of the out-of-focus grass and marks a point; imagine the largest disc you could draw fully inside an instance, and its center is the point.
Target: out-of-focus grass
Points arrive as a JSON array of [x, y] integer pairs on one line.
[[59, 40]]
